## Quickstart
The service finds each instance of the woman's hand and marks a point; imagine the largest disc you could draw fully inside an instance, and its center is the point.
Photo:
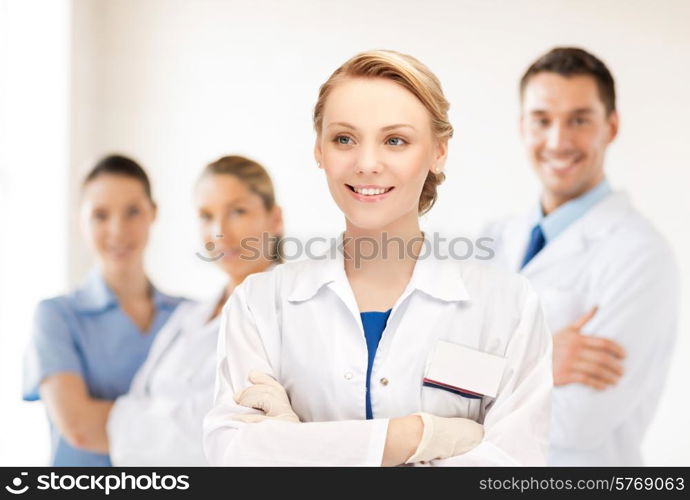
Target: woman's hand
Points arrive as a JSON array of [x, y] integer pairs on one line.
[[267, 395], [421, 437], [446, 437]]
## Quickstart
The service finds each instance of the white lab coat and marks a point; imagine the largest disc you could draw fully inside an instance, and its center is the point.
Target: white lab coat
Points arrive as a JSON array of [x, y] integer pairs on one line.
[[159, 421], [612, 258], [301, 324]]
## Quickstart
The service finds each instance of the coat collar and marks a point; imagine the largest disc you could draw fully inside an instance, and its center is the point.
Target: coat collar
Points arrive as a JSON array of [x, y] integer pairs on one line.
[[560, 219], [432, 275], [599, 221]]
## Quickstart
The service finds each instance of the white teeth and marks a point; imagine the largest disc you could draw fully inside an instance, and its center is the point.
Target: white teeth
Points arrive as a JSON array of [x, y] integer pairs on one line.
[[560, 164], [370, 191]]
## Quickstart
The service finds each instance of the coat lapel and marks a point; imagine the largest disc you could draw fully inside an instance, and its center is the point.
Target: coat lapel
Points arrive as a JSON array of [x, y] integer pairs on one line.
[[597, 222]]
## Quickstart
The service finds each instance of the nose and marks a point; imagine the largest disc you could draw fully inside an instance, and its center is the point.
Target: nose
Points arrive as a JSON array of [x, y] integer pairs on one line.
[[558, 137], [216, 228], [227, 229], [116, 227], [368, 161]]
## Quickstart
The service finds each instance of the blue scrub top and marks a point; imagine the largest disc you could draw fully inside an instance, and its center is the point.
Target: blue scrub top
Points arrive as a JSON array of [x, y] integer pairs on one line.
[[87, 333]]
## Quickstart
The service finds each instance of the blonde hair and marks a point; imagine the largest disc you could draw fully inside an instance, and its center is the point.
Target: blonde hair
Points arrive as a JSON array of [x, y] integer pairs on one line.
[[412, 75], [255, 177]]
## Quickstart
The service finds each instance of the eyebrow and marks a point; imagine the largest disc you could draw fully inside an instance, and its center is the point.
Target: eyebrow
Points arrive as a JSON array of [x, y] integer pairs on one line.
[[230, 204], [127, 204], [384, 129], [236, 201], [578, 111]]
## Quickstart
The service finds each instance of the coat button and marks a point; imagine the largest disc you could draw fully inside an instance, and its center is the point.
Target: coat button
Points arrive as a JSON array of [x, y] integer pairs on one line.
[[383, 381], [348, 375]]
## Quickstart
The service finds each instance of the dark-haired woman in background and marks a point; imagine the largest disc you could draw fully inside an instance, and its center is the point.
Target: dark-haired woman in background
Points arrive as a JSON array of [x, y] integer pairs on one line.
[[87, 345]]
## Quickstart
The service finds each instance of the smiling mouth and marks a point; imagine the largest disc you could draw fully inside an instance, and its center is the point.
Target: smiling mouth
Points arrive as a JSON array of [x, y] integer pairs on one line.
[[561, 164], [120, 250], [369, 191]]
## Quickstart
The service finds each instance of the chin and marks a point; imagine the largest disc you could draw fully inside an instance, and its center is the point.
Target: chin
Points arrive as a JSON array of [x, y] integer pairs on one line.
[[565, 190], [120, 265], [237, 267], [227, 267], [368, 222]]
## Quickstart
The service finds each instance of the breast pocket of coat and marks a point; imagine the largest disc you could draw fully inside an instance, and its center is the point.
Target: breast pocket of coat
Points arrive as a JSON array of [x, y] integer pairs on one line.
[[444, 402], [458, 378]]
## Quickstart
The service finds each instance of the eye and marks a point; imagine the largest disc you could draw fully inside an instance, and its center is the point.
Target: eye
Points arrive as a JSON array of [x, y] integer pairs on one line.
[[396, 141], [542, 122], [237, 212], [205, 216], [343, 139], [100, 215], [133, 211], [579, 121]]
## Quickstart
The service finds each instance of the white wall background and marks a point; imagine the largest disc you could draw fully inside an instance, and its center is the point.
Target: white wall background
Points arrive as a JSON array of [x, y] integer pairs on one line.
[[34, 167], [178, 83]]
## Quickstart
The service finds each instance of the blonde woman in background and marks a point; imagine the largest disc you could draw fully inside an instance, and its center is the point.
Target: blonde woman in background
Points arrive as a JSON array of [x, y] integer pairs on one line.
[[381, 358], [159, 421]]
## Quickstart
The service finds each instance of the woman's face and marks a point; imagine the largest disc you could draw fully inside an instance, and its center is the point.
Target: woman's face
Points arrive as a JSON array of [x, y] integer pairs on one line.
[[116, 218], [235, 225], [376, 146]]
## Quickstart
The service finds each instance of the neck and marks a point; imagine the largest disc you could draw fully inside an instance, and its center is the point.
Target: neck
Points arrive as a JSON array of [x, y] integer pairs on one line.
[[128, 283], [236, 279], [550, 201], [387, 251]]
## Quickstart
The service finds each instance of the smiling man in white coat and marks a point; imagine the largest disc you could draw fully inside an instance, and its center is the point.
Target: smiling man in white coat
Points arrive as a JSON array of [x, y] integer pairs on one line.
[[606, 277]]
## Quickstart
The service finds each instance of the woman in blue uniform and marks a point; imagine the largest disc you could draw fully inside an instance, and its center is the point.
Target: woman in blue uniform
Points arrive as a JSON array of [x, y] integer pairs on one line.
[[88, 344]]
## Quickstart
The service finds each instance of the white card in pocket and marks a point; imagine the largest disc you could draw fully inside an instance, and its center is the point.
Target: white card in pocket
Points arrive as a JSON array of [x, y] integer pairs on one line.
[[465, 369]]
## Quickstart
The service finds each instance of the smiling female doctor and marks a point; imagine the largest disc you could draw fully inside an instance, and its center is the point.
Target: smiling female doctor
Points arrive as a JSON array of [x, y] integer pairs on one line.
[[366, 357]]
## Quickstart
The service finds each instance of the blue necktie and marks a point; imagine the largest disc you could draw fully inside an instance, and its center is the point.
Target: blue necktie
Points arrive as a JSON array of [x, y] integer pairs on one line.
[[536, 243]]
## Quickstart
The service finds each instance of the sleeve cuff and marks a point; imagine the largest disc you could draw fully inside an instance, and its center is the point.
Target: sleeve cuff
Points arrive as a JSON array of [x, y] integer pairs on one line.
[[30, 390], [377, 442]]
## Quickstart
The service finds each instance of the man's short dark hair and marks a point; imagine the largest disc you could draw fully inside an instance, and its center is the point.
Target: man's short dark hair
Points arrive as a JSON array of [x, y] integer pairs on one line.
[[572, 61]]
